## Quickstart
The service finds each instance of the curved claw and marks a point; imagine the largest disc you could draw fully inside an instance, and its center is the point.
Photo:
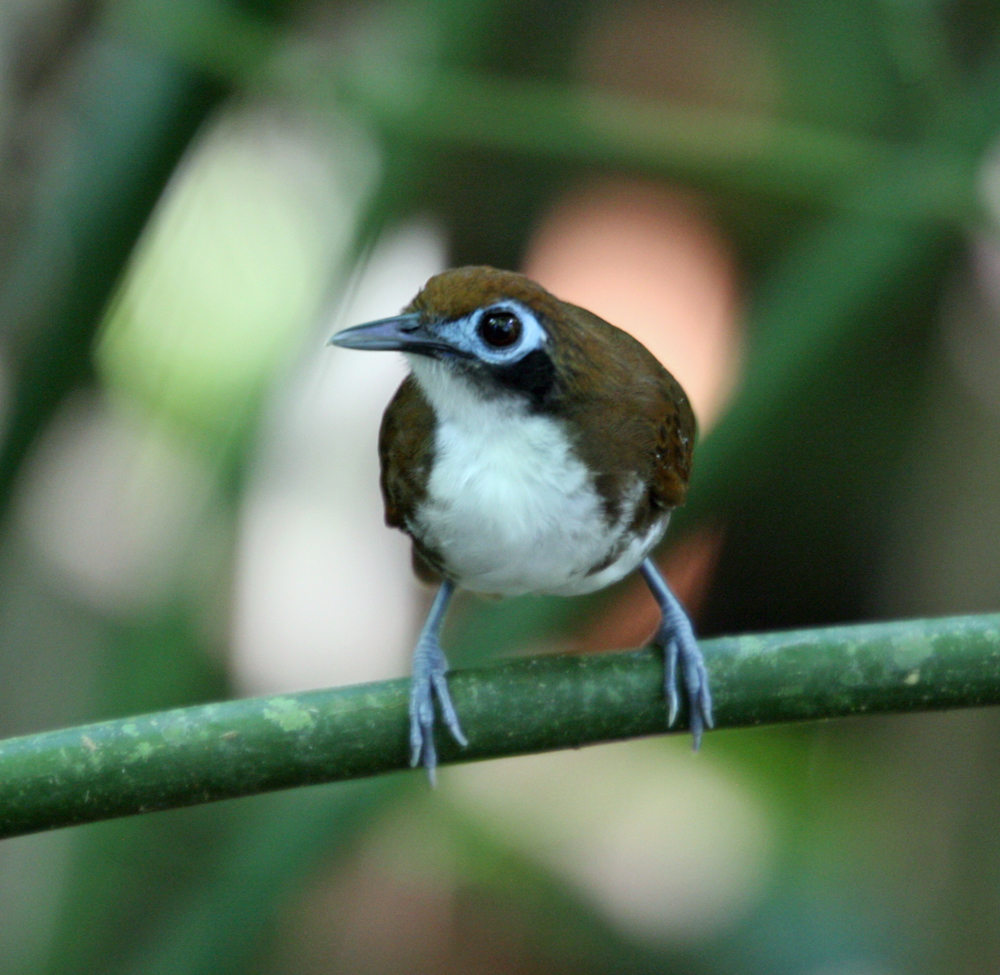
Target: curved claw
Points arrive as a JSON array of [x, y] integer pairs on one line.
[[670, 654]]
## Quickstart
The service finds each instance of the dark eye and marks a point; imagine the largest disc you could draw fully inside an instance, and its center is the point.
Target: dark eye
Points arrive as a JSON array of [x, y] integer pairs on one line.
[[499, 329]]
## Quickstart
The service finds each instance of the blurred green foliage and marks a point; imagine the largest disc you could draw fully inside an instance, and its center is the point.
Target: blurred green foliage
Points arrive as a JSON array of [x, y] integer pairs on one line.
[[849, 197]]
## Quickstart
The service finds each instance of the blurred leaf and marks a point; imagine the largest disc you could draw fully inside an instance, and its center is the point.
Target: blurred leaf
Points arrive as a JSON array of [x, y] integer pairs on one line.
[[135, 111], [231, 272]]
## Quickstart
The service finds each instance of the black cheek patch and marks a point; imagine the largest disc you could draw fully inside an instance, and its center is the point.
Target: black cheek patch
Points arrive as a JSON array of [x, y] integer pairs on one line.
[[533, 375]]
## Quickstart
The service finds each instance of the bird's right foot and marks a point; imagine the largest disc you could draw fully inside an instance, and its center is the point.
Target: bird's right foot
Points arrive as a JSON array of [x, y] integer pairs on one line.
[[429, 681]]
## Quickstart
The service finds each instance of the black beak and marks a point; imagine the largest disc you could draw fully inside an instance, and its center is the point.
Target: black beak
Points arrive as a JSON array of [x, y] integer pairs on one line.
[[403, 333]]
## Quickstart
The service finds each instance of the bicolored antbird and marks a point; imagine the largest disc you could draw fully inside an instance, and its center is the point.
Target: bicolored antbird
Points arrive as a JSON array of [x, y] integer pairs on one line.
[[534, 448]]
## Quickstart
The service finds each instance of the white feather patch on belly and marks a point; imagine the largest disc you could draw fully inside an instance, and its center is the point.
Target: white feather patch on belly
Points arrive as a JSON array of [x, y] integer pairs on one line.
[[510, 508]]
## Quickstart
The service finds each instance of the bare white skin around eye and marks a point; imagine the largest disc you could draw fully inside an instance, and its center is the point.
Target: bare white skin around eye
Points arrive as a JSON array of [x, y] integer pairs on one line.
[[463, 334]]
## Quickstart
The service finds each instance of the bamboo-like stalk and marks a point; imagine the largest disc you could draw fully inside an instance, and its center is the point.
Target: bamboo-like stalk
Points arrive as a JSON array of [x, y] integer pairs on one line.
[[237, 748]]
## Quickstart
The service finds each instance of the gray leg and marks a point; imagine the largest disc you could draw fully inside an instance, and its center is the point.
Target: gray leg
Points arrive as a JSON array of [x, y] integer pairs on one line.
[[429, 668], [677, 638]]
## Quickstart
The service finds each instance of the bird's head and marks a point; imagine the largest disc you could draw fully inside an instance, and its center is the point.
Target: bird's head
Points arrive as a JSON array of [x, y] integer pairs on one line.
[[498, 330], [507, 337], [477, 336]]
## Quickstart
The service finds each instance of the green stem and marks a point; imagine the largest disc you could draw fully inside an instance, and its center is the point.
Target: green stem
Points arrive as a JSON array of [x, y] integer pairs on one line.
[[218, 751], [734, 151], [723, 150]]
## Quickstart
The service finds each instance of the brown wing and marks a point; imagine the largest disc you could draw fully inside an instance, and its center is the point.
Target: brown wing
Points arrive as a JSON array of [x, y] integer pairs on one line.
[[637, 416], [406, 454], [674, 448]]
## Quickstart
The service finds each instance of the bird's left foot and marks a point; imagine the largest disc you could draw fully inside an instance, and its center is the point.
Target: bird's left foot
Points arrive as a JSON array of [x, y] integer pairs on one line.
[[680, 648], [676, 636], [429, 681]]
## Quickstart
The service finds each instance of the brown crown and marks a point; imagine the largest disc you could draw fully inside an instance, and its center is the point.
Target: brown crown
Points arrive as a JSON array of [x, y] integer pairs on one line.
[[459, 292]]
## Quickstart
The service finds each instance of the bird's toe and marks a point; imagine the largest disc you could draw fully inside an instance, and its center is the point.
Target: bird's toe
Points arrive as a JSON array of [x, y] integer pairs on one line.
[[670, 652], [448, 709], [421, 721]]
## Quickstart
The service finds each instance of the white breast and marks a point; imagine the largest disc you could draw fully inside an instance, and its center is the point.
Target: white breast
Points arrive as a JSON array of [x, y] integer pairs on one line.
[[509, 506]]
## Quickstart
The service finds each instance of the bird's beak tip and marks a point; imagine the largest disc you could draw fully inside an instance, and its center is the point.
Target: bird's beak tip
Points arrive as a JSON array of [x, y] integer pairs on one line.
[[386, 334]]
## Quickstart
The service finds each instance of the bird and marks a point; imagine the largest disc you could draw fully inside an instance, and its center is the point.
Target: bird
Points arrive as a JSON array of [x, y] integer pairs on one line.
[[532, 448]]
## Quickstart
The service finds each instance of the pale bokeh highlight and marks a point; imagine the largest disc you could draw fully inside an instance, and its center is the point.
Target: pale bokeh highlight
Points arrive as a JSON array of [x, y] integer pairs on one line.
[[119, 508], [663, 841], [646, 258], [234, 266], [324, 590]]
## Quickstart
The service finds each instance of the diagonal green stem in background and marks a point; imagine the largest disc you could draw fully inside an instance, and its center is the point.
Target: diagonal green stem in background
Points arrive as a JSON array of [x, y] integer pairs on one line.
[[218, 751], [527, 117], [715, 149]]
